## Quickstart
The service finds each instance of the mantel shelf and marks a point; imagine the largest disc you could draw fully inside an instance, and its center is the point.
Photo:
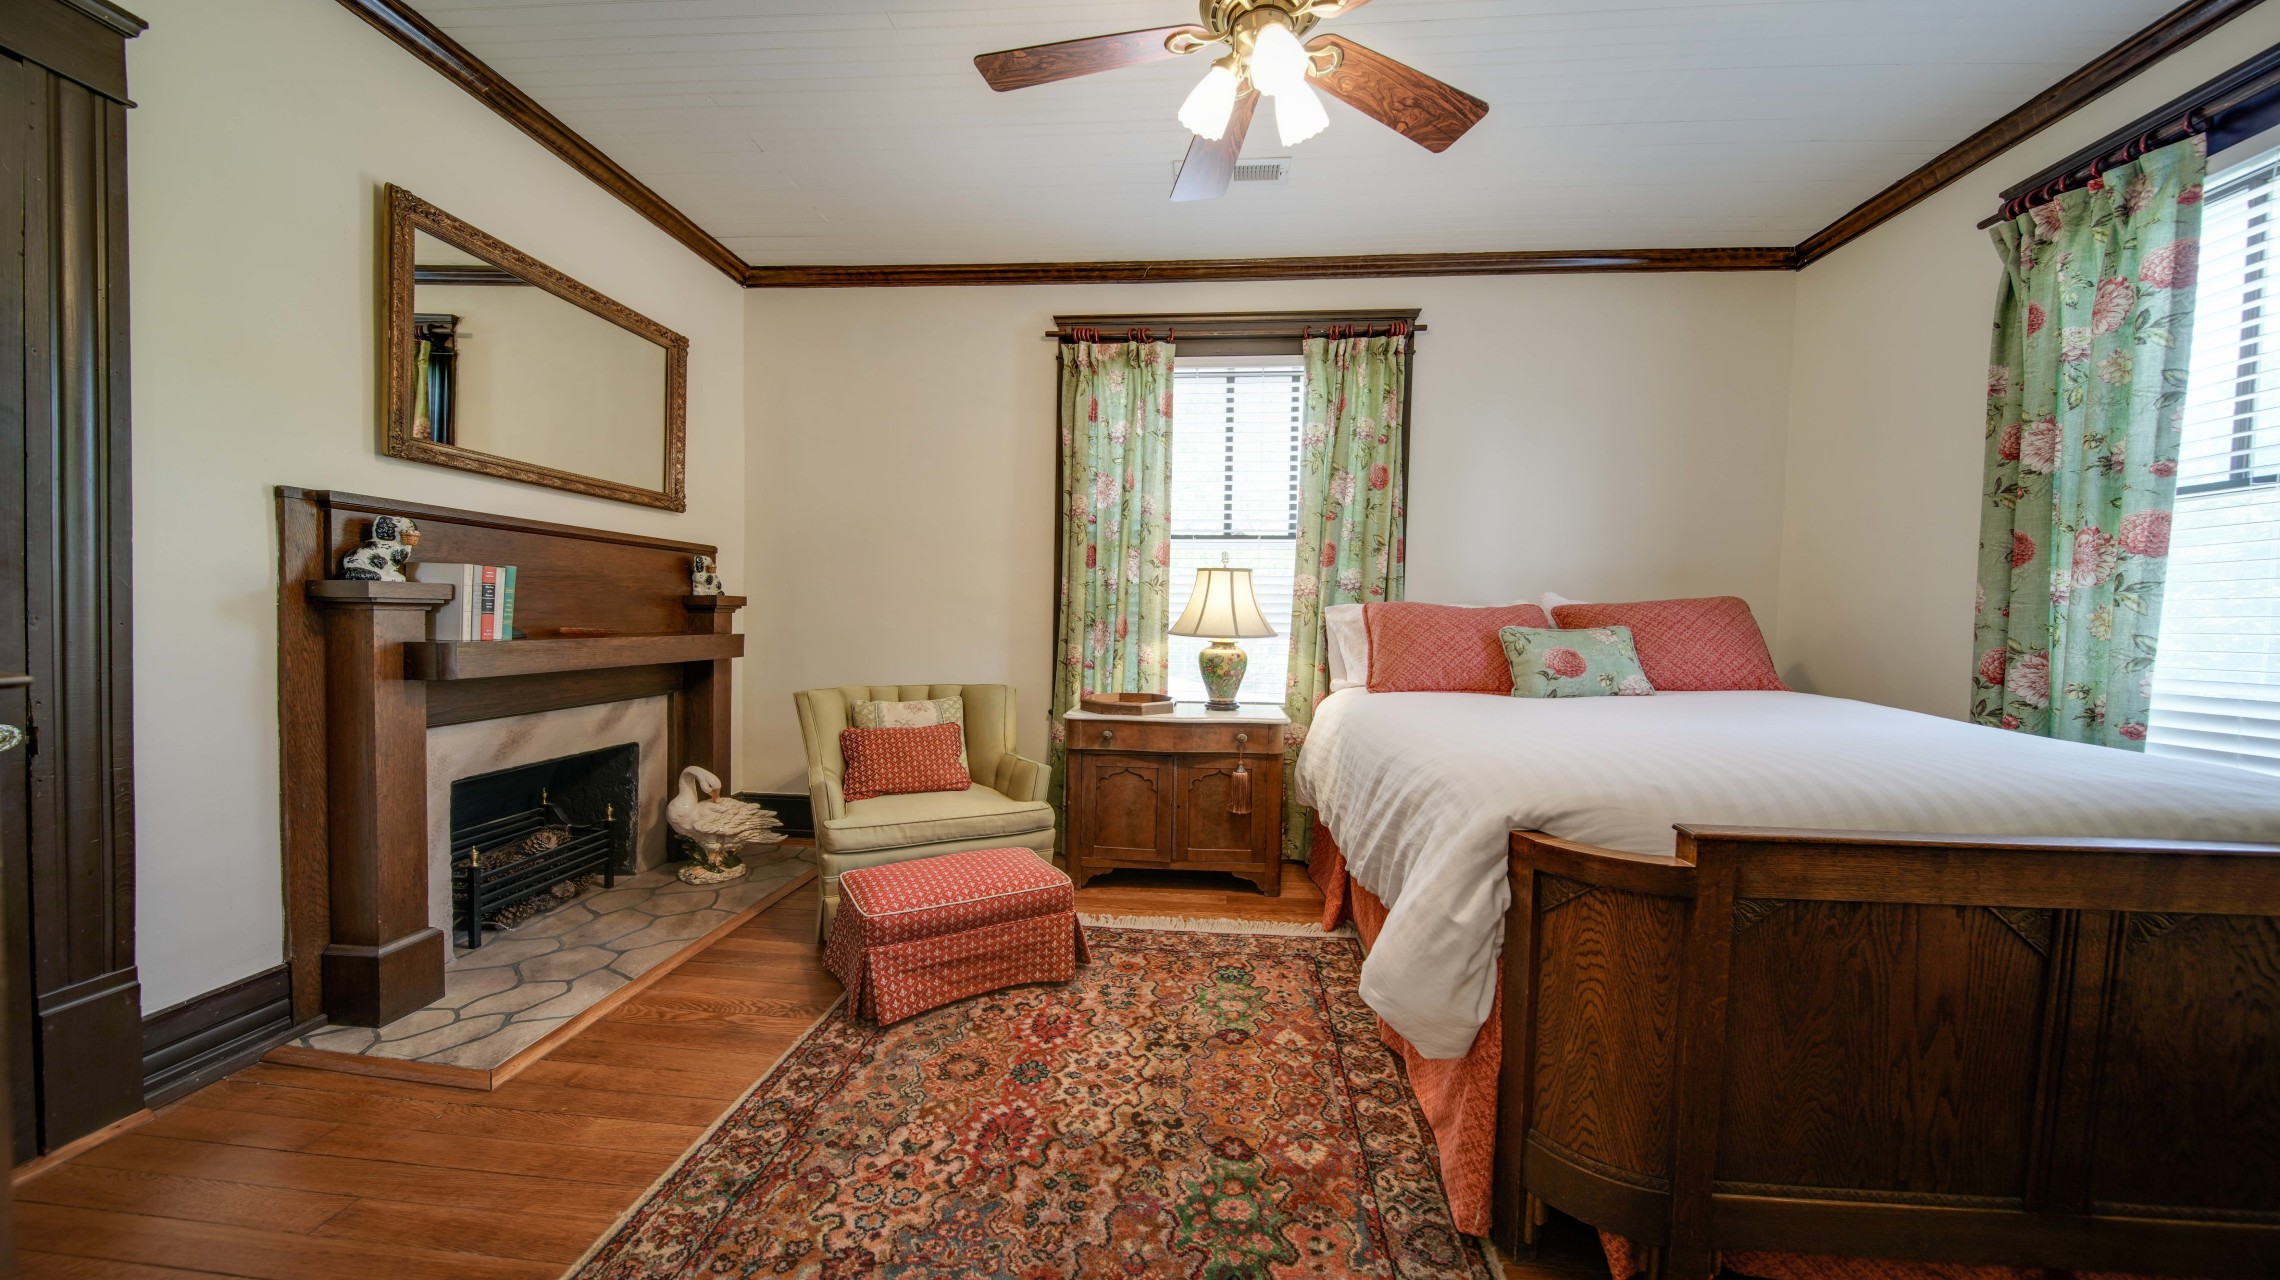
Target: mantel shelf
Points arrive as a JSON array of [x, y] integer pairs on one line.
[[455, 660]]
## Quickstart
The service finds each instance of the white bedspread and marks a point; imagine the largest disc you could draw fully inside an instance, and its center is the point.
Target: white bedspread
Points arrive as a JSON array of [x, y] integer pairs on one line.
[[1421, 790]]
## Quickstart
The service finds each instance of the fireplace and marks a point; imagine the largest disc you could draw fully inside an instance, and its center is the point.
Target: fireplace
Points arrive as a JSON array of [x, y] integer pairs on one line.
[[378, 717], [528, 838], [494, 769]]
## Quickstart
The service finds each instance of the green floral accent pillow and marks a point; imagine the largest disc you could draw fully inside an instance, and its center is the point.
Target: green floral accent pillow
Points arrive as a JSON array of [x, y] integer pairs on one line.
[[1548, 662], [910, 715]]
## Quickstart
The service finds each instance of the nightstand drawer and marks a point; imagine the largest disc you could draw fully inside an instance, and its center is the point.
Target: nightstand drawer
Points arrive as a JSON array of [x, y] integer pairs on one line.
[[1206, 738]]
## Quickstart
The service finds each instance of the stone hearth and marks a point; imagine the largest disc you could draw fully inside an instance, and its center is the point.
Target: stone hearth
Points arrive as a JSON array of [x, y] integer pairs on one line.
[[525, 983]]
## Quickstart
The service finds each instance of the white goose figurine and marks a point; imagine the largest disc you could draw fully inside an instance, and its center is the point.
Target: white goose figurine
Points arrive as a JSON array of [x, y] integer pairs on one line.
[[718, 827]]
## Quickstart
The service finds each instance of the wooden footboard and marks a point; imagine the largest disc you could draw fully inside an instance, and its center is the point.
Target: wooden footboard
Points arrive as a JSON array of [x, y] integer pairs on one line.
[[1944, 1048]]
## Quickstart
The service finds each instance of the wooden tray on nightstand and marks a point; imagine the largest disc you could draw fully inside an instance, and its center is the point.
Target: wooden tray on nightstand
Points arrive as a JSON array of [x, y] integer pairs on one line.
[[1128, 704]]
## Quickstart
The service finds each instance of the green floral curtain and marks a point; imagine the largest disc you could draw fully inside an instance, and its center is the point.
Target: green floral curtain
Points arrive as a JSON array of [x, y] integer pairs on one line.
[[1116, 548], [1350, 515], [2085, 392]]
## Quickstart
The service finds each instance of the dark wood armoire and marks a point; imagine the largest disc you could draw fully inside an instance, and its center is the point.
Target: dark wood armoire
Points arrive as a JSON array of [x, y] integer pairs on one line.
[[73, 1003]]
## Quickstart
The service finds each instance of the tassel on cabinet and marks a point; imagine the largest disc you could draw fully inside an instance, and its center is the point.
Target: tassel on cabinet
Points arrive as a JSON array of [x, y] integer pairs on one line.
[[1239, 798]]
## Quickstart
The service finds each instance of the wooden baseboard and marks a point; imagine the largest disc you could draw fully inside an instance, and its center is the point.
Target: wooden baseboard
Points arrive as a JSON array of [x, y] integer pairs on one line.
[[199, 1041], [476, 1078], [38, 1165]]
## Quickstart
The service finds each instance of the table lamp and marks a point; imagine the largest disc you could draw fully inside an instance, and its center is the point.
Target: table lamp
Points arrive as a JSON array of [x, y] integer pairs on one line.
[[1223, 609]]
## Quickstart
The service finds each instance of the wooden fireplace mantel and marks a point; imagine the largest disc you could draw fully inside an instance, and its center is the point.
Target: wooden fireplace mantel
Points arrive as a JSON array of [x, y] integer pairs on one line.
[[360, 683], [455, 660]]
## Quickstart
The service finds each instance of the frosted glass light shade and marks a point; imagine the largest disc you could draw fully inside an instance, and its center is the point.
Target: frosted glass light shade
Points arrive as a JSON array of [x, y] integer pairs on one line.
[[1211, 103], [1223, 607], [1299, 115], [1278, 60]]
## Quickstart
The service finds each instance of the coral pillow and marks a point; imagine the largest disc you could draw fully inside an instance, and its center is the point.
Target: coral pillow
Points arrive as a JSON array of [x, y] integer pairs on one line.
[[1442, 648], [897, 762], [1687, 645]]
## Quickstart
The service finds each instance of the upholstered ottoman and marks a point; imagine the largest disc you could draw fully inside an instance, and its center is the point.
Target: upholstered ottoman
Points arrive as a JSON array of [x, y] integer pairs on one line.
[[913, 936]]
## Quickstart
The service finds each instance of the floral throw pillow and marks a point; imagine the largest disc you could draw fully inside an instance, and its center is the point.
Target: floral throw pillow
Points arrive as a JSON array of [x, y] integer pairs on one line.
[[1548, 662], [916, 714]]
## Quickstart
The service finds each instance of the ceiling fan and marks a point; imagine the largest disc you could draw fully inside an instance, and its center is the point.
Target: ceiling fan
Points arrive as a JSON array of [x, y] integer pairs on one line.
[[1265, 57]]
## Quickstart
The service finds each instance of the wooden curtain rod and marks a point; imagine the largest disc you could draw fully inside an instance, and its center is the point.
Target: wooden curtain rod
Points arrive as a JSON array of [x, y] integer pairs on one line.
[[2173, 122], [1282, 324]]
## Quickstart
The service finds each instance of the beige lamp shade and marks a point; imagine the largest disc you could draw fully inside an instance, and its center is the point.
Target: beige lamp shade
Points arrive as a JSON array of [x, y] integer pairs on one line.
[[1223, 607]]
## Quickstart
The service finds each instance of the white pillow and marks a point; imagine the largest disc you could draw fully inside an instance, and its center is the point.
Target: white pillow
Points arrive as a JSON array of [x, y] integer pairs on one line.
[[1347, 644], [1553, 600]]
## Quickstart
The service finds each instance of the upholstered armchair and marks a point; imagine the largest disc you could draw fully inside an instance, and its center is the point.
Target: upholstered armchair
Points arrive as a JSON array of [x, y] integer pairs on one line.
[[1005, 807]]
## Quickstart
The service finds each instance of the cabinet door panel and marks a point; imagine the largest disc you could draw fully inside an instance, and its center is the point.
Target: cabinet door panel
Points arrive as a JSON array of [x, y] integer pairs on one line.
[[1127, 813], [1209, 828]]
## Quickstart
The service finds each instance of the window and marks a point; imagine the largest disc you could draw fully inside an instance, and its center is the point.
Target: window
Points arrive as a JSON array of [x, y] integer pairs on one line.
[[1235, 429], [2216, 677]]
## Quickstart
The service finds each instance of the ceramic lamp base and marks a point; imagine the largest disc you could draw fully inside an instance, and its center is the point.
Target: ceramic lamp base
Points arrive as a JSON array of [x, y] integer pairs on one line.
[[1223, 663]]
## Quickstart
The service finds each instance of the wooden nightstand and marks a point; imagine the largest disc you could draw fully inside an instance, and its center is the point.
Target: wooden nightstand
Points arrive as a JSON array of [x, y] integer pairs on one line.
[[1195, 790]]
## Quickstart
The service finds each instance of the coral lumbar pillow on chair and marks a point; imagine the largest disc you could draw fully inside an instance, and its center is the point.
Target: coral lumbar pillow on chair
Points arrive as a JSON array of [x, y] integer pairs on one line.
[[903, 761]]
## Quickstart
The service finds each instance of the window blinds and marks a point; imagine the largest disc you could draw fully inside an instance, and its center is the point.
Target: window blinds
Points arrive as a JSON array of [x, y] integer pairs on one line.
[[2216, 679], [1235, 435]]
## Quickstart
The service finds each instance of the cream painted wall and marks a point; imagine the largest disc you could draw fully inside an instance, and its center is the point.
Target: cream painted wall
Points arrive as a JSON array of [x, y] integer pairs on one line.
[[263, 133], [1603, 436], [1885, 411]]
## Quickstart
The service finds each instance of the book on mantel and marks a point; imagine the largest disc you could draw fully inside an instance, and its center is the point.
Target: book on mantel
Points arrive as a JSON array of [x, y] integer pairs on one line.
[[482, 605]]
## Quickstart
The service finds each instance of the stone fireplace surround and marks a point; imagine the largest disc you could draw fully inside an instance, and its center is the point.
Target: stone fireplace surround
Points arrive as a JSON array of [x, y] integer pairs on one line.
[[487, 746]]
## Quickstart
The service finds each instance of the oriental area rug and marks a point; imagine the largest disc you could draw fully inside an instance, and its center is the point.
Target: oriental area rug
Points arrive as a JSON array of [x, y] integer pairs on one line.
[[1195, 1104]]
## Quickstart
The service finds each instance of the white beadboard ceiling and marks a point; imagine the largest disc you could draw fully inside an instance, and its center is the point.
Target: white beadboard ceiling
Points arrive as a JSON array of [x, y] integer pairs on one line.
[[858, 131]]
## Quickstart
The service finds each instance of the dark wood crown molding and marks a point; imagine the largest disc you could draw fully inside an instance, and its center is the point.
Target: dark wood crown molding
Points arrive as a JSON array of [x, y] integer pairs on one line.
[[427, 42], [1359, 266], [2174, 30]]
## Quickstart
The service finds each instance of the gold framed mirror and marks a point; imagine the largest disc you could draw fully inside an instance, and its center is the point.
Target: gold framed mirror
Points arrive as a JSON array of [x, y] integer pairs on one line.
[[498, 363]]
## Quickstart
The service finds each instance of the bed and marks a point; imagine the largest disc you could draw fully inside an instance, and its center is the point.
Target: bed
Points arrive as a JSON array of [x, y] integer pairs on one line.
[[1759, 974]]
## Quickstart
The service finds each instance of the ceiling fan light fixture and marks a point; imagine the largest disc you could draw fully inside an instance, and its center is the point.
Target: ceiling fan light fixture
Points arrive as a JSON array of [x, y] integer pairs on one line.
[[1278, 61], [1212, 102], [1299, 115]]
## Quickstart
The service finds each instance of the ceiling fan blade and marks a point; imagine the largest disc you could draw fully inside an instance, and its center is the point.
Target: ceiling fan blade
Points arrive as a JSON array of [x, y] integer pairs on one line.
[[1045, 63], [1415, 105], [1210, 166], [1328, 9]]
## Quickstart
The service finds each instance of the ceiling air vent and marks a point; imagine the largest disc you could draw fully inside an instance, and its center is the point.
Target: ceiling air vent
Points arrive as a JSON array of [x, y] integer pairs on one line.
[[1270, 169], [1262, 171]]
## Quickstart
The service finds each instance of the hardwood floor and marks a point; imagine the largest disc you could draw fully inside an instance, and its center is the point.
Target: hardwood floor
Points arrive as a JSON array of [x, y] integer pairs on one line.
[[1201, 894], [287, 1173]]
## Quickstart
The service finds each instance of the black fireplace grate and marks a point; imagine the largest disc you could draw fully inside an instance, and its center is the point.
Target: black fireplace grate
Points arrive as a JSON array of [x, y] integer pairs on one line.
[[481, 888]]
